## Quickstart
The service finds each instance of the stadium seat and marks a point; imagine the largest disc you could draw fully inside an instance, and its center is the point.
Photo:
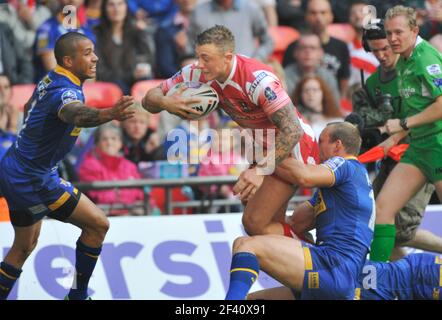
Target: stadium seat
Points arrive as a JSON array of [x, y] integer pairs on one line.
[[21, 94], [282, 36], [101, 94], [140, 88], [342, 31]]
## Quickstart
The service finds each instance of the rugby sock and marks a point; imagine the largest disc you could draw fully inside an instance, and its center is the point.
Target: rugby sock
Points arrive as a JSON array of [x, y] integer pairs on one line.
[[243, 273], [8, 277], [383, 242], [86, 259]]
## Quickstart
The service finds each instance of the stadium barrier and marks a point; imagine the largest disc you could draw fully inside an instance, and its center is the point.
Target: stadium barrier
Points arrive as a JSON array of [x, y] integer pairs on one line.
[[168, 184]]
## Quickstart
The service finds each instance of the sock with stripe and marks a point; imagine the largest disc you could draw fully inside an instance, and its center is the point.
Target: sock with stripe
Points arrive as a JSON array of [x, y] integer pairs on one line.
[[86, 259], [243, 273], [383, 242], [8, 276]]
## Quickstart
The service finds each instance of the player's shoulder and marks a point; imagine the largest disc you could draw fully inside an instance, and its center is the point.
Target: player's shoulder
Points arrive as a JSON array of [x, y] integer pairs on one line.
[[334, 163]]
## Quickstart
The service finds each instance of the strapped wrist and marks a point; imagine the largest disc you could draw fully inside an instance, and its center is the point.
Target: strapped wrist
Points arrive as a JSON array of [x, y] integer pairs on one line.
[[403, 124]]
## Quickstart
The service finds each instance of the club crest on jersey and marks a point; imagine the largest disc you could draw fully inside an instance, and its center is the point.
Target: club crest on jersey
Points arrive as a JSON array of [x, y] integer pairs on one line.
[[269, 94], [434, 69], [69, 96]]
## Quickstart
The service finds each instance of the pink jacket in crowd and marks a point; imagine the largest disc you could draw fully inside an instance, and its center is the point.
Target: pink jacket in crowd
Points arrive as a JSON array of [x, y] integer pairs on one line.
[[98, 166]]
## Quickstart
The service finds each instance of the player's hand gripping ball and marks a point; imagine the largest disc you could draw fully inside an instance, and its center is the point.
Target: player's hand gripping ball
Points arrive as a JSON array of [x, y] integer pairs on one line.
[[202, 91]]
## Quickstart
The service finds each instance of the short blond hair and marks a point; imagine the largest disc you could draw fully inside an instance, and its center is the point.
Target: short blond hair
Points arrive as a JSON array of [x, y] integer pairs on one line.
[[218, 35], [408, 12]]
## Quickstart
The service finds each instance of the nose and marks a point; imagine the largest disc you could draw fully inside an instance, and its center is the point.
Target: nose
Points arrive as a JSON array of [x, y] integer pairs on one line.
[[94, 57]]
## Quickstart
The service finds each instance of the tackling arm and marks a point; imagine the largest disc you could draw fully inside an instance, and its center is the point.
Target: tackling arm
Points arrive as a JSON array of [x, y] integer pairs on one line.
[[305, 175]]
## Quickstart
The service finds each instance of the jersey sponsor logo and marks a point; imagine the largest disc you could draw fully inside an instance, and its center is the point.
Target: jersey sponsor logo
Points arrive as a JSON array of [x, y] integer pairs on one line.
[[313, 280], [407, 92], [434, 69], [255, 82], [40, 208], [269, 94], [437, 82], [334, 163], [68, 96]]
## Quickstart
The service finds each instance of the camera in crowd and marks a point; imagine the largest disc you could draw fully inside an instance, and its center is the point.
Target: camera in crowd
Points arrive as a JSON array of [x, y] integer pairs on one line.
[[368, 121]]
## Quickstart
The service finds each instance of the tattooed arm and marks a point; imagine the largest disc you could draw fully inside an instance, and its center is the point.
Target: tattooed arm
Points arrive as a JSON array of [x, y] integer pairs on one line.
[[85, 117], [289, 131]]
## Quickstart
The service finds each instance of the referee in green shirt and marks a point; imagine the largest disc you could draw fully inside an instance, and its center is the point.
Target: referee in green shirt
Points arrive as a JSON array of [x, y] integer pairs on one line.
[[420, 86]]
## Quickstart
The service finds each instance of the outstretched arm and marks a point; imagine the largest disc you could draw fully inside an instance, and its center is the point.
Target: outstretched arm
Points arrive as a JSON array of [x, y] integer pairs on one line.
[[85, 117]]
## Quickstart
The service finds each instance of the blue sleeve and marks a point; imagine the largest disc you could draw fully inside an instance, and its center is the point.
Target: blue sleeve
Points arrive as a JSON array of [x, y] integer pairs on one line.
[[340, 169], [66, 96]]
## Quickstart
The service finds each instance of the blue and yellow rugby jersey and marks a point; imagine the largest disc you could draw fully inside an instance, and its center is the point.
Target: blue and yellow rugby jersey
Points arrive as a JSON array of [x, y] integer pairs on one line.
[[415, 277], [45, 139], [345, 212]]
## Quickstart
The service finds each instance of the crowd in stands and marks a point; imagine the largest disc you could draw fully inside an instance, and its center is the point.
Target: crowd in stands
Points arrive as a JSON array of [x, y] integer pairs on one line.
[[139, 41]]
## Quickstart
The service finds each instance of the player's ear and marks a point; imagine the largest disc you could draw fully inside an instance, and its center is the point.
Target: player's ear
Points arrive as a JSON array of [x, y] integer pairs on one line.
[[67, 61]]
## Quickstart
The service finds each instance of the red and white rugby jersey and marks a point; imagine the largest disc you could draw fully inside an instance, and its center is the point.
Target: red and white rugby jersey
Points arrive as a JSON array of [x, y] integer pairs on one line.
[[249, 96], [251, 93]]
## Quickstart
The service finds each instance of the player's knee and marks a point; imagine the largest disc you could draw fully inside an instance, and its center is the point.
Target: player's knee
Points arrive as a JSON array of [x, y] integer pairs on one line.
[[242, 244], [99, 229]]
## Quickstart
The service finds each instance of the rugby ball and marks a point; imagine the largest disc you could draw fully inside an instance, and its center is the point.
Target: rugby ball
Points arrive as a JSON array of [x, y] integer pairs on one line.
[[198, 90]]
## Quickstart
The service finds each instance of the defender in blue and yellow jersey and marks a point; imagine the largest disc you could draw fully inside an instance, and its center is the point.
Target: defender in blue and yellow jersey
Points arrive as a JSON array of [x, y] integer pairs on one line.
[[28, 172], [29, 175], [343, 213], [414, 277]]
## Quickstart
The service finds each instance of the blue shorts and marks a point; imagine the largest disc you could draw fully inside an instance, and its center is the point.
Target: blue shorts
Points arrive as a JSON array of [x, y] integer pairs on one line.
[[32, 197], [426, 276], [328, 275]]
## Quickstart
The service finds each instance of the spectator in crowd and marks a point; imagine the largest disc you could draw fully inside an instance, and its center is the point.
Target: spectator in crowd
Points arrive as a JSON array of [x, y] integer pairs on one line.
[[121, 47], [140, 143], [291, 12], [52, 29], [429, 16], [315, 102], [157, 13], [243, 17], [171, 40], [10, 112], [14, 62], [223, 159], [106, 162], [336, 56], [93, 12], [308, 55], [359, 58], [269, 9], [24, 17]]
